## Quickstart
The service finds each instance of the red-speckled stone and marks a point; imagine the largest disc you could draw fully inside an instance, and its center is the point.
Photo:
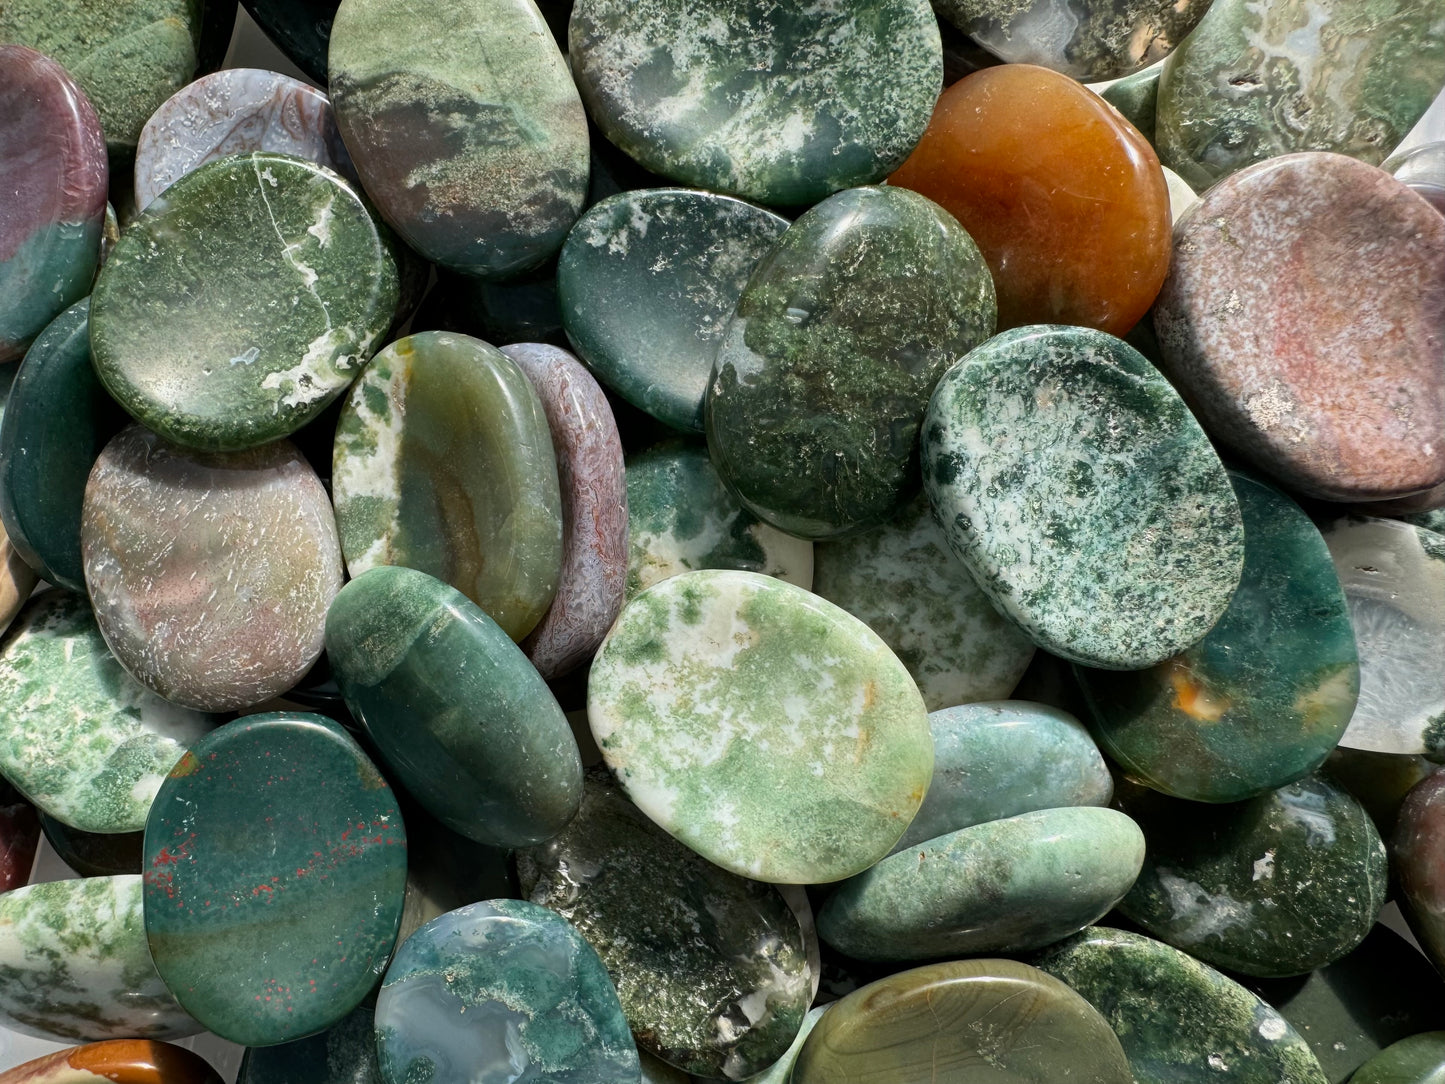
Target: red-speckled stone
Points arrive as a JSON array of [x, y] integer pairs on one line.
[[122, 1061], [1417, 858]]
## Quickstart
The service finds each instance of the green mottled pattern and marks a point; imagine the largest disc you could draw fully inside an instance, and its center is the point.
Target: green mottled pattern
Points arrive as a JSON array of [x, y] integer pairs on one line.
[[242, 301], [1431, 521], [1260, 78], [1419, 1059], [1083, 496], [1137, 98], [48, 271], [80, 737], [904, 583], [825, 369], [781, 1070], [770, 731], [343, 1054], [74, 964]]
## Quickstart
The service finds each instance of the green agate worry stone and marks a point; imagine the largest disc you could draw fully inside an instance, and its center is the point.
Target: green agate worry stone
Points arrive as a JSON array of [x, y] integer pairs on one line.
[[711, 969], [973, 1021], [1083, 496], [1137, 97], [1277, 885], [1178, 1019], [647, 281], [444, 463], [1265, 696], [342, 1054], [275, 865], [501, 990], [1420, 1059], [242, 301], [904, 583], [453, 707], [767, 729], [825, 369]]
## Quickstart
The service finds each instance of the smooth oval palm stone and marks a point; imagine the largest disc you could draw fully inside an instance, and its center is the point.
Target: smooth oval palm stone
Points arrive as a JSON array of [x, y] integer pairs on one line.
[[454, 708], [711, 968], [825, 368], [647, 281], [210, 572], [782, 104], [53, 173], [681, 518], [92, 854], [1004, 886], [477, 170], [342, 1054], [1179, 1020], [1416, 852], [444, 462], [963, 1022], [1083, 496], [1276, 885], [122, 1061], [228, 361], [275, 868], [501, 990], [770, 731], [903, 582], [1420, 1059], [1265, 696], [1000, 759], [299, 28]]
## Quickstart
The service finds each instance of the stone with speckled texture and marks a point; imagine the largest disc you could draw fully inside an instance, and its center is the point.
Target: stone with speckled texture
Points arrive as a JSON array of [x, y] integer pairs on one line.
[[120, 1061]]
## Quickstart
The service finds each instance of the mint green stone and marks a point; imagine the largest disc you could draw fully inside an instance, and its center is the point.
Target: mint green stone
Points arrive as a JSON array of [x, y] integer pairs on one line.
[[1420, 1059]]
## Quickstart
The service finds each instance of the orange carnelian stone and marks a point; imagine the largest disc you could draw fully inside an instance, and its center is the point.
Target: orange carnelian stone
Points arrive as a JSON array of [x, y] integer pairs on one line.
[[1064, 197]]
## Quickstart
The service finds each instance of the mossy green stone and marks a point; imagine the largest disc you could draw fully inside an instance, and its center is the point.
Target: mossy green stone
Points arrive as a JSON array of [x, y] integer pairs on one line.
[[1420, 1059], [1137, 97]]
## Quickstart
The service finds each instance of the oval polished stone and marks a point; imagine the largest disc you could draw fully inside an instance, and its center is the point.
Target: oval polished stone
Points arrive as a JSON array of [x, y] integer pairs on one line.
[[122, 1061], [1083, 496], [1420, 1059], [299, 28], [770, 731], [443, 462], [1276, 885], [342, 1054], [19, 837], [825, 368], [1265, 696], [1416, 851], [210, 573], [496, 990], [980, 1021], [1274, 275], [92, 854], [1064, 198], [275, 867], [478, 171], [53, 172], [781, 1071]]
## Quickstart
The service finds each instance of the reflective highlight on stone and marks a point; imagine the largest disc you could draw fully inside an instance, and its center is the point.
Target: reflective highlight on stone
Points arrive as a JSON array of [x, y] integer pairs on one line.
[[120, 1061], [1416, 851], [1419, 1059]]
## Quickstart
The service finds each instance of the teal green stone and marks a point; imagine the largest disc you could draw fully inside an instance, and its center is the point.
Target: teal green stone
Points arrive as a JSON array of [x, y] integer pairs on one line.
[[1137, 97], [825, 369], [275, 866], [79, 737], [781, 1070], [1260, 79], [456, 712], [1432, 521], [63, 254], [1083, 496], [657, 1071], [1265, 696], [342, 1054], [443, 462], [1277, 885], [647, 281], [1420, 1059], [242, 301], [92, 854]]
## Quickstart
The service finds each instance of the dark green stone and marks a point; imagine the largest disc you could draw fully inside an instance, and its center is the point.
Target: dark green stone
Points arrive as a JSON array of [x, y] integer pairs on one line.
[[1136, 97], [345, 1053], [299, 28], [93, 854], [1379, 780], [1420, 1059]]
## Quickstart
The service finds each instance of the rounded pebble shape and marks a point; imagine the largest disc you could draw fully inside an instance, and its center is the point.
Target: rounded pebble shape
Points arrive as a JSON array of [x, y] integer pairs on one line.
[[498, 989], [1277, 885], [1265, 696], [1004, 886], [592, 479], [826, 366], [1063, 196], [1083, 496], [903, 582], [121, 1061], [444, 462], [342, 1054], [479, 168], [1180, 1021], [1420, 1059], [91, 854], [230, 112], [767, 729], [963, 1022], [1275, 274], [17, 581], [275, 866], [1136, 97], [210, 572], [1422, 168], [1416, 851], [681, 518], [453, 707], [299, 28], [20, 828], [53, 172], [80, 737], [1000, 759], [711, 969], [779, 103], [780, 1072], [1393, 575], [647, 281]]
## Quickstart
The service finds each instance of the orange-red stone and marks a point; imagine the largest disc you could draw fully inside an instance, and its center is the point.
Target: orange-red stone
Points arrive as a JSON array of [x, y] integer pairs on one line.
[[125, 1061], [1064, 197]]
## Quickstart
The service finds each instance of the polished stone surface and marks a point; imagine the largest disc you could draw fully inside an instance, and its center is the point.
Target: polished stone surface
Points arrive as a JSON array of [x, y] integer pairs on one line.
[[19, 837], [1421, 168], [299, 28], [1379, 781], [1420, 1059], [344, 1053], [93, 854], [781, 1071], [17, 580], [120, 1061], [1137, 98], [1415, 851]]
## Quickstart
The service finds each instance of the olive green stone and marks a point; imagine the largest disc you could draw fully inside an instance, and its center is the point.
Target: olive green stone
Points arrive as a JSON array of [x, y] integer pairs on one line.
[[1137, 97], [1420, 1059], [443, 462], [781, 1071], [1379, 781]]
